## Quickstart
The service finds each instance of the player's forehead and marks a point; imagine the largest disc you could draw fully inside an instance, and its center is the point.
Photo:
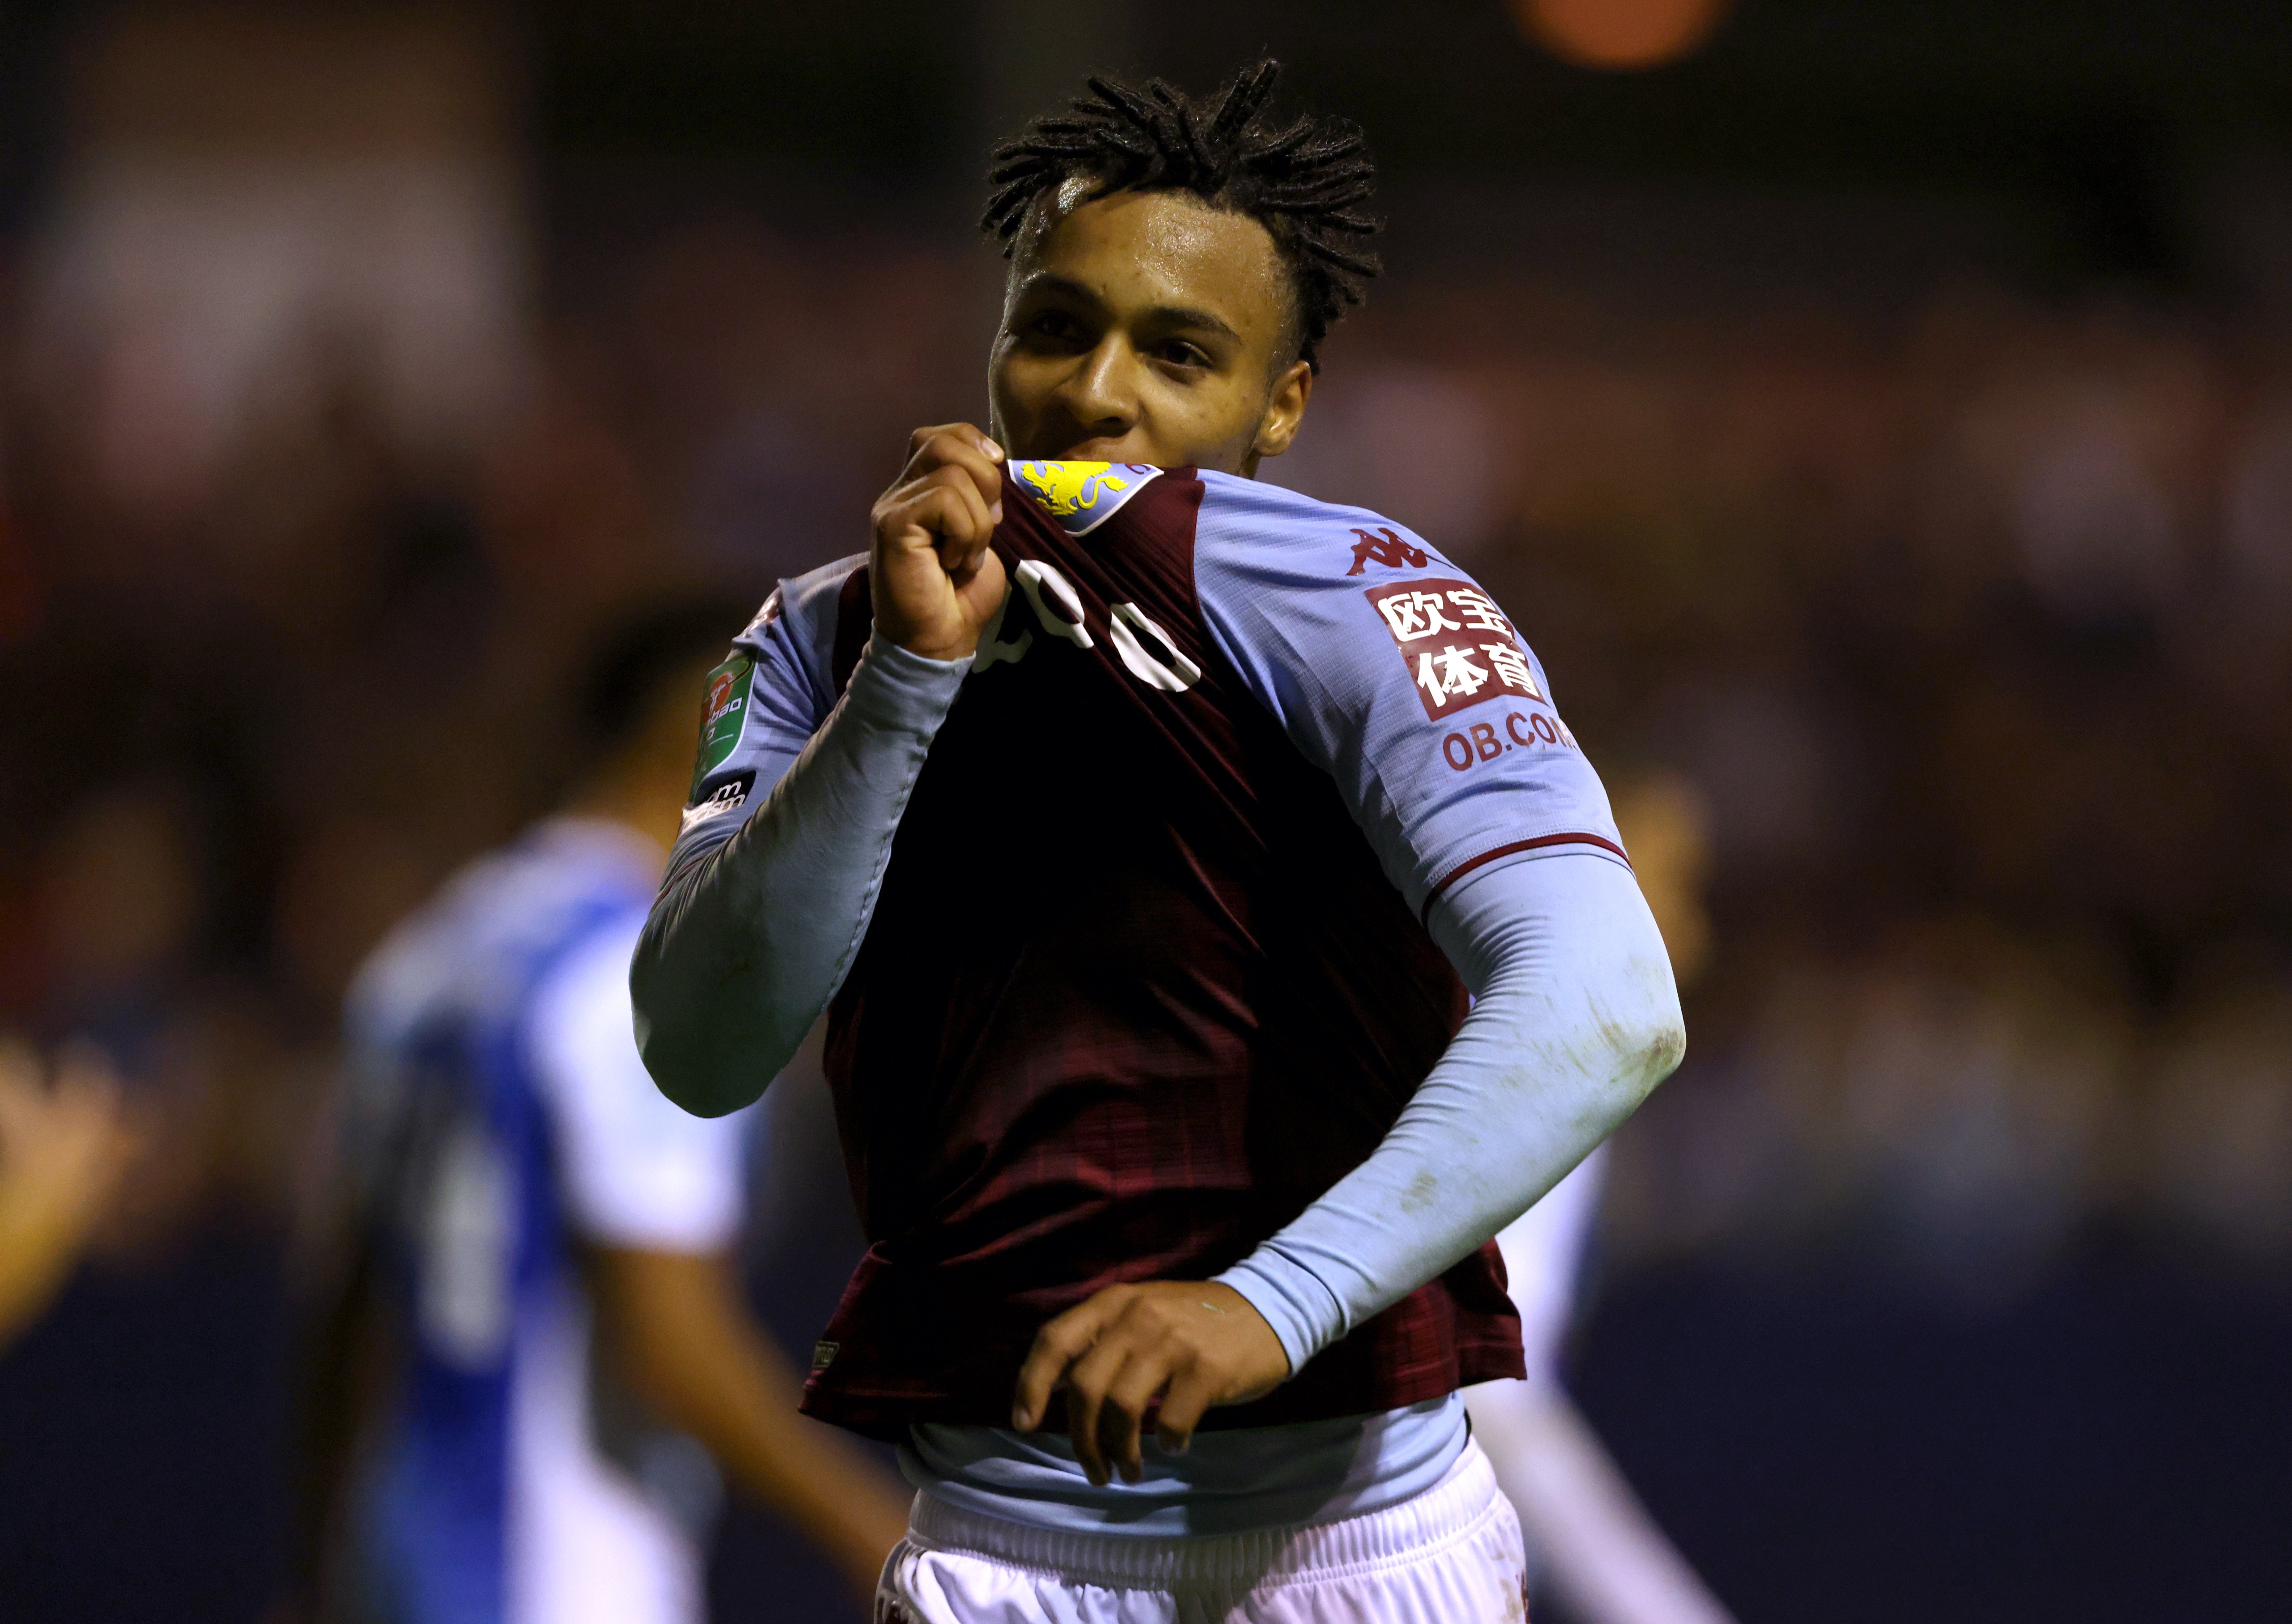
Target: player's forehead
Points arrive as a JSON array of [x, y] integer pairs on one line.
[[1137, 252]]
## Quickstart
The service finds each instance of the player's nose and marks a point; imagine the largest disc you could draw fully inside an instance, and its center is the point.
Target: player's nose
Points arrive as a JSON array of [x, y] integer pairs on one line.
[[1100, 394]]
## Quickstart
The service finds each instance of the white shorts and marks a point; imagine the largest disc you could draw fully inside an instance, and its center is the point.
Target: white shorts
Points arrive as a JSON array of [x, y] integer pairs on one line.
[[1451, 1555]]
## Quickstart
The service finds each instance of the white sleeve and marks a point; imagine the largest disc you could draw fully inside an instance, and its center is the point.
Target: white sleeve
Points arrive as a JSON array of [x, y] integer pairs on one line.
[[636, 1171]]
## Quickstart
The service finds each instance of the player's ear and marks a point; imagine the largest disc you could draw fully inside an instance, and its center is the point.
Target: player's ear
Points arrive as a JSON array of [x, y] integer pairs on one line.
[[1285, 410]]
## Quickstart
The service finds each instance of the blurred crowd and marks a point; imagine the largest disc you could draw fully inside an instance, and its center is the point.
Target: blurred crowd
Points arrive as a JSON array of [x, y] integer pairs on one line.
[[1968, 638], [1967, 634], [1955, 646], [1938, 650]]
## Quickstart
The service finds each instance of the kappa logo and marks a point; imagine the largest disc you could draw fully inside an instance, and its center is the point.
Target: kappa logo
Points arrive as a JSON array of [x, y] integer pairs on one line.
[[1456, 644], [1384, 547], [1082, 496]]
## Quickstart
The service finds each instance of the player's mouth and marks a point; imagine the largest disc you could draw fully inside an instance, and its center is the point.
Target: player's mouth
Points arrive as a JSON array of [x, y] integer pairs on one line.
[[1100, 450]]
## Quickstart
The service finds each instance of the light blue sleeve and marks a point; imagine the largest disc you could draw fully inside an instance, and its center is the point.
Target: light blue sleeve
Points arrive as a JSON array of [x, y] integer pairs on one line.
[[762, 705], [1392, 671], [796, 800], [1574, 1019]]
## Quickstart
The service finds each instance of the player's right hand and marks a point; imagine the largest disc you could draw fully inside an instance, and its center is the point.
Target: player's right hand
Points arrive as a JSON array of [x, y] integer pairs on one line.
[[934, 581], [1187, 1344]]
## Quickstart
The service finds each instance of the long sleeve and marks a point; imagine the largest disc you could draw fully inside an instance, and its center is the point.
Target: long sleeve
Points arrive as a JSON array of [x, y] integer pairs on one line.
[[757, 922], [1390, 670], [1574, 1021]]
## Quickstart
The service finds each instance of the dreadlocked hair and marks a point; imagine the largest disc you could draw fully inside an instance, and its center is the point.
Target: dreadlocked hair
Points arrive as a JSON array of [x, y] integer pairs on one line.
[[1305, 183]]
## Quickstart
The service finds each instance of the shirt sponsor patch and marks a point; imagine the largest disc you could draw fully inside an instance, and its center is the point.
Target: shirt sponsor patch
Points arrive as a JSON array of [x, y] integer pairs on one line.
[[1082, 496], [1456, 645], [728, 796], [723, 711]]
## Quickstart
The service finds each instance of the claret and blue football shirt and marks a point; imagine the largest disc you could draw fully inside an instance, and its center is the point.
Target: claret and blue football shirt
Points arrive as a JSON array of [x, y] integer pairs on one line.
[[1147, 971]]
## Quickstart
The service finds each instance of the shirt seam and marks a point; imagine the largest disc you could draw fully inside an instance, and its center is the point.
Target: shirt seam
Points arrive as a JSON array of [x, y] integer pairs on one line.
[[1566, 837]]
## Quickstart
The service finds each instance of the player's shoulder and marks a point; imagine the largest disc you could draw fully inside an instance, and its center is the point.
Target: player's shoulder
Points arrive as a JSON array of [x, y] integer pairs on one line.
[[803, 605], [1260, 528], [422, 966], [784, 653]]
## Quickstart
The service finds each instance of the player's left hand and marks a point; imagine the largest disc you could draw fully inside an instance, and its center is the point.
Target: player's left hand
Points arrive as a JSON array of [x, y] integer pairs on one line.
[[1191, 1342]]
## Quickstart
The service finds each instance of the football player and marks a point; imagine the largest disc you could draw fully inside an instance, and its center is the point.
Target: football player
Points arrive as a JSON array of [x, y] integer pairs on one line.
[[1142, 830]]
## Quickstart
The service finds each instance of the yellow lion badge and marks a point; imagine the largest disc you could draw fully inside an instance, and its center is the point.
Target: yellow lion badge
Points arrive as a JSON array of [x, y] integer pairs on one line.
[[1081, 495]]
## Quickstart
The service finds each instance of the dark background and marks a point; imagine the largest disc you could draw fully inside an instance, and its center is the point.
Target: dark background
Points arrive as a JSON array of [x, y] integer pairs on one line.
[[1879, 417]]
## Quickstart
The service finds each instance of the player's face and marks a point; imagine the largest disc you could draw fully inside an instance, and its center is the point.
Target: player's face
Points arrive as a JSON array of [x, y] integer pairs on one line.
[[1149, 327]]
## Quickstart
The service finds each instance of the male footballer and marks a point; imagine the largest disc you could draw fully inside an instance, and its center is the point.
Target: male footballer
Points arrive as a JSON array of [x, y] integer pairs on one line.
[[1221, 936]]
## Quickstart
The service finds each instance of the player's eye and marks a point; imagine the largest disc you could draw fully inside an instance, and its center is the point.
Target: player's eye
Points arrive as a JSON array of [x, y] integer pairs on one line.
[[1178, 352], [1058, 327]]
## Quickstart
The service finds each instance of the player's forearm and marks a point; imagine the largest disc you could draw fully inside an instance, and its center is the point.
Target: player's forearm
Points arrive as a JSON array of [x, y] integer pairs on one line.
[[1577, 1019], [744, 1410], [343, 1374], [747, 943], [704, 1365]]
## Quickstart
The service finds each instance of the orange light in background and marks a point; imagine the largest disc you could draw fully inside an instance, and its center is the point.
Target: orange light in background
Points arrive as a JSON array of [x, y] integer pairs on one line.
[[1620, 35]]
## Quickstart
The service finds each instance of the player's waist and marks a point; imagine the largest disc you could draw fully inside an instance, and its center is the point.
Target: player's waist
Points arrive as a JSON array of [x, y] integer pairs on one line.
[[1441, 1497], [1226, 1482], [912, 1346]]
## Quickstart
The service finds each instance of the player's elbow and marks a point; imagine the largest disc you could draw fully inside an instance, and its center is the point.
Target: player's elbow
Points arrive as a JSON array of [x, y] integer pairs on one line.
[[1654, 1055], [681, 1047], [684, 1072], [716, 1019], [1645, 1032]]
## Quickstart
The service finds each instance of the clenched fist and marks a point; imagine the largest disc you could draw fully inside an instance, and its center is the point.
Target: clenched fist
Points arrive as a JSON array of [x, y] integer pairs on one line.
[[933, 578]]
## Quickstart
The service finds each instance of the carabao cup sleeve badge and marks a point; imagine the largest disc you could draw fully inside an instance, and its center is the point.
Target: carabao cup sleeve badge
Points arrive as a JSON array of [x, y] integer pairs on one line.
[[723, 711], [1082, 496]]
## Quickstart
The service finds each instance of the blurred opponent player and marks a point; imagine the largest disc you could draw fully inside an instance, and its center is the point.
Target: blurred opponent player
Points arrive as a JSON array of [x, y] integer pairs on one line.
[[543, 1235], [1141, 828]]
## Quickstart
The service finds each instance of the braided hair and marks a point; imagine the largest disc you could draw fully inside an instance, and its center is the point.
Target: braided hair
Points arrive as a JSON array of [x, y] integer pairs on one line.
[[1306, 182]]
